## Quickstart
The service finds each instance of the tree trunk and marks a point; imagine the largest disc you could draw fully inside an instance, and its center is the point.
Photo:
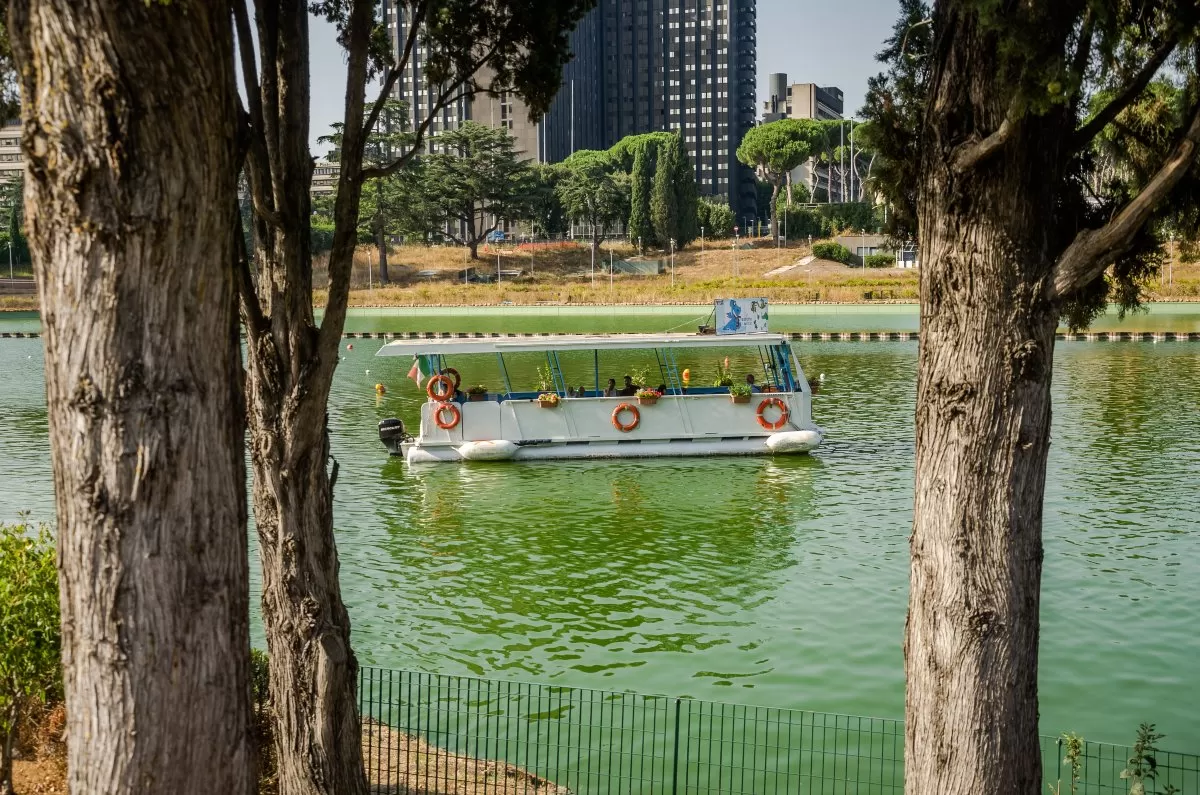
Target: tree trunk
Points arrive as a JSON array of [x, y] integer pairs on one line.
[[983, 431], [381, 244], [290, 366], [131, 163], [6, 751], [774, 211]]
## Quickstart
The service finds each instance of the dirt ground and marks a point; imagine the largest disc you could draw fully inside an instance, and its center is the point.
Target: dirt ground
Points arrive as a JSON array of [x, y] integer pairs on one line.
[[396, 763]]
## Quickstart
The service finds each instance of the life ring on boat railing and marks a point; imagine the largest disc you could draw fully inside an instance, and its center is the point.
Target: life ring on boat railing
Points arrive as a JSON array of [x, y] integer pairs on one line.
[[455, 416], [783, 413], [434, 392], [457, 377], [625, 427]]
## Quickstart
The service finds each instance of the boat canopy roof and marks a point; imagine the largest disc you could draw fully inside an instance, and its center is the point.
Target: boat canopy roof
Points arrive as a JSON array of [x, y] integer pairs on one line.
[[446, 346]]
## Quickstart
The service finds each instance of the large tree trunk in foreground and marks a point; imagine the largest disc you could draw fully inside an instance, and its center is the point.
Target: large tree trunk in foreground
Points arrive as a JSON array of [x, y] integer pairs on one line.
[[290, 366], [129, 113], [983, 433]]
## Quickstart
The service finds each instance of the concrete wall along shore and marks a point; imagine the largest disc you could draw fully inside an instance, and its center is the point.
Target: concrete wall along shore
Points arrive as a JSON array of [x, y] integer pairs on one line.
[[804, 336]]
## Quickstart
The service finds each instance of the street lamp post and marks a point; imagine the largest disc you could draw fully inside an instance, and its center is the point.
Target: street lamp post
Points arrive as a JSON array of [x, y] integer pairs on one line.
[[672, 262], [10, 267]]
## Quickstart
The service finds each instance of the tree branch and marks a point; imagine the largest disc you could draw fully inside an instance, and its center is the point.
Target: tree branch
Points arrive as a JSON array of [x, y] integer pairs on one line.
[[968, 155], [1083, 52], [349, 193], [1093, 250], [252, 309], [1094, 126]]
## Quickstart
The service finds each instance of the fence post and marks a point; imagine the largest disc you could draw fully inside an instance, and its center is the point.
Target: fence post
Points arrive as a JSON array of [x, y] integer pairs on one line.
[[675, 754]]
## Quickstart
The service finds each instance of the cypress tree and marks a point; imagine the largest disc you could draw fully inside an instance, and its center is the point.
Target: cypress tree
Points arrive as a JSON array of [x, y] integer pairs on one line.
[[687, 197], [642, 179], [664, 205]]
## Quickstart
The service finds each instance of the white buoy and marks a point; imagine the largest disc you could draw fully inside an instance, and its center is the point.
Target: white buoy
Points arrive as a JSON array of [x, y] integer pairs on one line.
[[821, 377]]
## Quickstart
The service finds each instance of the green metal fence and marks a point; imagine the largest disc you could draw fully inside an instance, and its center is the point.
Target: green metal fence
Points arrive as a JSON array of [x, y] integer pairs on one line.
[[430, 733]]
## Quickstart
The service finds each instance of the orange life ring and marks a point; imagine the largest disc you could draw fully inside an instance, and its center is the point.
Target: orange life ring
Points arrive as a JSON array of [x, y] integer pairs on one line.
[[783, 413], [457, 377], [439, 394], [625, 427], [455, 415]]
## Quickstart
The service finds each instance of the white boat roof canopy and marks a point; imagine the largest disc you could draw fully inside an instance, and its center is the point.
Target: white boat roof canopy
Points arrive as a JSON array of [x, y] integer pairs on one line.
[[574, 342]]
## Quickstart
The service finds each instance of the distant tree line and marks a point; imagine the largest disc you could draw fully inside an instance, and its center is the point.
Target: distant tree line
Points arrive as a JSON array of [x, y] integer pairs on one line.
[[474, 182]]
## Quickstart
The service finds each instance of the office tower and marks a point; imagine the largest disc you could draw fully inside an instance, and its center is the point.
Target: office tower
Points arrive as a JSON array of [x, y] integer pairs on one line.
[[639, 66]]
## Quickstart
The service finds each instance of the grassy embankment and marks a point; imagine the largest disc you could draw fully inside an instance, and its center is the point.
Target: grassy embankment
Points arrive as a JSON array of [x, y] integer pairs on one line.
[[561, 275]]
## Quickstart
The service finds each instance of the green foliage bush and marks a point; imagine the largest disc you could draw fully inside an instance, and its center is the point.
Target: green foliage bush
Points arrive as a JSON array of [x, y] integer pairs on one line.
[[880, 261], [835, 252], [30, 638], [715, 217], [321, 237]]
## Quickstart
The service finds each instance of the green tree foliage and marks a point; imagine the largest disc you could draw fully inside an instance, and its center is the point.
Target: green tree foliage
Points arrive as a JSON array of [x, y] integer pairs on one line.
[[386, 207], [774, 150], [715, 217], [545, 208], [12, 204], [29, 632], [895, 107], [687, 195], [473, 182], [625, 150], [641, 228], [593, 191], [674, 196]]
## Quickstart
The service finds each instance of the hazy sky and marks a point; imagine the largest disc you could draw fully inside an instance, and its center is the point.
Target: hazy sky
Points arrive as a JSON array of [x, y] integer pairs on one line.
[[813, 41]]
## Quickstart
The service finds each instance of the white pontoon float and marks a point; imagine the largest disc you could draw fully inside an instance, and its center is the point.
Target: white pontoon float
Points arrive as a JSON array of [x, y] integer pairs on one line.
[[559, 423]]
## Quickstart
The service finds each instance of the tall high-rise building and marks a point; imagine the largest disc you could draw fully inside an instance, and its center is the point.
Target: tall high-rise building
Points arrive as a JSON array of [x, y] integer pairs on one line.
[[639, 66]]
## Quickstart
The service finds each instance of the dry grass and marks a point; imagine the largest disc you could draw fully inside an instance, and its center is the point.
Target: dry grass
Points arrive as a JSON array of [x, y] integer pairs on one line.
[[564, 277], [400, 763], [395, 763]]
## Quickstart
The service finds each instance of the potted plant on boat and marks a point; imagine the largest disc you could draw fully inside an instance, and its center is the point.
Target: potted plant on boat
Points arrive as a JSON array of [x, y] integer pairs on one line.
[[647, 397], [548, 400], [477, 393], [724, 376], [739, 393]]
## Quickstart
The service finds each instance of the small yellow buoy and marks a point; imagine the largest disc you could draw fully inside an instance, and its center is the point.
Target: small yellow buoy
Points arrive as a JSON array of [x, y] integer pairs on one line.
[[687, 376], [380, 388]]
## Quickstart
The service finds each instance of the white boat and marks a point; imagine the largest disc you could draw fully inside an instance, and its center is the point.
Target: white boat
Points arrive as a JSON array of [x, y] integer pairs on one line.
[[557, 423]]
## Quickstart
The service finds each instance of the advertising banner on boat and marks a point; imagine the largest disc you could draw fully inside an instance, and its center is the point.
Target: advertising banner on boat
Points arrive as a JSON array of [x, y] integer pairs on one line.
[[741, 316]]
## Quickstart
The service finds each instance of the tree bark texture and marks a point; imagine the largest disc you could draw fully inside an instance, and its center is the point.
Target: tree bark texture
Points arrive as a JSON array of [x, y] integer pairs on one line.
[[290, 365], [131, 165], [983, 430]]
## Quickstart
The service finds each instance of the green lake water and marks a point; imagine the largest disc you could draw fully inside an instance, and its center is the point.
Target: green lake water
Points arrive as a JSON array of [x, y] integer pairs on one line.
[[778, 582]]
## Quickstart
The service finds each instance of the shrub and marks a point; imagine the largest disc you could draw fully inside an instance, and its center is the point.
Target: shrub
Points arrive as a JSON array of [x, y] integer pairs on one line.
[[880, 261], [29, 632], [320, 237], [834, 252], [715, 217]]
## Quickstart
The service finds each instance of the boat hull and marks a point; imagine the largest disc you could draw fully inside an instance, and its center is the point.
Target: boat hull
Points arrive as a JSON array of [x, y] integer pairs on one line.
[[416, 453]]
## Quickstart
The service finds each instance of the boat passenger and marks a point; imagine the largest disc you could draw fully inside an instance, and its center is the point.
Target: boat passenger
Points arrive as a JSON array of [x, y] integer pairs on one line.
[[611, 389], [662, 389], [630, 389], [750, 381], [581, 392]]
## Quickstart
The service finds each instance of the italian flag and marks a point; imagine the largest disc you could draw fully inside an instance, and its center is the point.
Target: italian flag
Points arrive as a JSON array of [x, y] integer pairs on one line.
[[422, 365]]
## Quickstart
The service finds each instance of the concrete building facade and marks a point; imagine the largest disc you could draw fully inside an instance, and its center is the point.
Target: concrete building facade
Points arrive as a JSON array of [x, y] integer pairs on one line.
[[639, 66], [12, 159]]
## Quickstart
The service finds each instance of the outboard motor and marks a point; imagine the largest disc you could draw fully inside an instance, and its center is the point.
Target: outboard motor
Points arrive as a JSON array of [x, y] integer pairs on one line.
[[391, 433]]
